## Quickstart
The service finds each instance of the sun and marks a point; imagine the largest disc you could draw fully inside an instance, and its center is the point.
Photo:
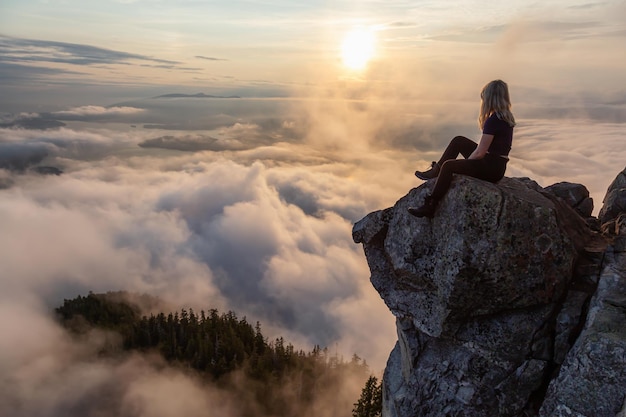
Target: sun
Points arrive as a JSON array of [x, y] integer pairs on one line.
[[357, 48]]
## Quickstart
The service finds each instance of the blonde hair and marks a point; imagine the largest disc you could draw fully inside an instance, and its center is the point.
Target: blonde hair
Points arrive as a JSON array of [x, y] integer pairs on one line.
[[495, 99]]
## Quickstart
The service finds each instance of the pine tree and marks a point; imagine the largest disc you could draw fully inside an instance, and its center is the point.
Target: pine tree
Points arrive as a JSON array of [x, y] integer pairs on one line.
[[371, 402]]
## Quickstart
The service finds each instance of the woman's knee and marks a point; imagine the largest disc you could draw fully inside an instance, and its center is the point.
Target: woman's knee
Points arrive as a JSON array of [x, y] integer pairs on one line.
[[465, 146], [459, 140]]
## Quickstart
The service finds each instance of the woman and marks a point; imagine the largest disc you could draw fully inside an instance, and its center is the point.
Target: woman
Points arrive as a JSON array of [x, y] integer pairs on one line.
[[485, 160]]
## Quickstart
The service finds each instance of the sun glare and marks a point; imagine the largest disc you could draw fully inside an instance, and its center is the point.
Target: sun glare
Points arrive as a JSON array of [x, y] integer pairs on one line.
[[358, 48]]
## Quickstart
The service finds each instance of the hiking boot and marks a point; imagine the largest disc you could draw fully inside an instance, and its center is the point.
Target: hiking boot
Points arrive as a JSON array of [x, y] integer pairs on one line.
[[425, 210], [433, 172]]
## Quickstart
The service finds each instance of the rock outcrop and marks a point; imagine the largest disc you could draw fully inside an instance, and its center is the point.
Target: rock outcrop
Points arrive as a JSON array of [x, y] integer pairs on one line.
[[496, 303], [613, 212]]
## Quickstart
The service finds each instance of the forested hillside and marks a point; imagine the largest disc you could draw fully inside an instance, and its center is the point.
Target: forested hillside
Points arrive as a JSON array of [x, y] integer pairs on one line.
[[224, 350]]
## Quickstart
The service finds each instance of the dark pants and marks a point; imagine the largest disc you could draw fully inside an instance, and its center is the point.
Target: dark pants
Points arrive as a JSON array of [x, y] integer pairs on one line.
[[490, 168]]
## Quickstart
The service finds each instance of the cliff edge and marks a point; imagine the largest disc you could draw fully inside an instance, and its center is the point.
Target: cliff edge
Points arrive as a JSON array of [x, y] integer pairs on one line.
[[507, 302]]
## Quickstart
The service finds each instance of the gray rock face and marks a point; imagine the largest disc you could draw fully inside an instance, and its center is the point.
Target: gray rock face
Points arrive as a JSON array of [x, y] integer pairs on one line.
[[614, 209], [489, 249], [592, 380], [490, 296], [575, 195]]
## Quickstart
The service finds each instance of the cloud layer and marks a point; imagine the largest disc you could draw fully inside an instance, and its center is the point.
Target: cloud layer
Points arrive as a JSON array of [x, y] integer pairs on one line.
[[251, 213]]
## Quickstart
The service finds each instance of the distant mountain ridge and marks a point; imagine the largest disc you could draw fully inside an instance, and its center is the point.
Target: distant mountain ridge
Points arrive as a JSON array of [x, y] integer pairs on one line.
[[197, 95]]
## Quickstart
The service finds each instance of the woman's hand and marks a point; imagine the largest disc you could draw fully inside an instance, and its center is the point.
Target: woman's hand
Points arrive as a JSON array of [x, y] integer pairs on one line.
[[483, 146]]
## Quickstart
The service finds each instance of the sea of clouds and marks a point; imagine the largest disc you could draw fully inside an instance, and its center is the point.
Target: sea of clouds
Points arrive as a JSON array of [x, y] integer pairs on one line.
[[234, 204]]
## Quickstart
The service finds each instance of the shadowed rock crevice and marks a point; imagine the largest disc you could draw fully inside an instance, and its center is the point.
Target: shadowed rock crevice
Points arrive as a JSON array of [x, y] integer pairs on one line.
[[493, 296]]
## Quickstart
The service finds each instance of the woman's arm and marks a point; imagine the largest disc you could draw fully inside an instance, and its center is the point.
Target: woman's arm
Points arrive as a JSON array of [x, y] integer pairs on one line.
[[482, 148]]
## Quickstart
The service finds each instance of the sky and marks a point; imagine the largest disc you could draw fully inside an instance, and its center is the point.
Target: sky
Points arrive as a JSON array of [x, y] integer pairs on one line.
[[243, 199]]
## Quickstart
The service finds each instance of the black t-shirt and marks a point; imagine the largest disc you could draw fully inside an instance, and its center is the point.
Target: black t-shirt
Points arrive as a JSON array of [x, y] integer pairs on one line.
[[502, 135]]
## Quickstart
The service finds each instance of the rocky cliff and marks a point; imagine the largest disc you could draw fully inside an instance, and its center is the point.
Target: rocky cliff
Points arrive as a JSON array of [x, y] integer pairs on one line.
[[507, 302]]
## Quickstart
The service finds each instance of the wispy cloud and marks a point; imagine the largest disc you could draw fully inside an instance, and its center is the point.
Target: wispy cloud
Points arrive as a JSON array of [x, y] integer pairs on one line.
[[91, 112], [209, 58], [35, 50], [11, 72]]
